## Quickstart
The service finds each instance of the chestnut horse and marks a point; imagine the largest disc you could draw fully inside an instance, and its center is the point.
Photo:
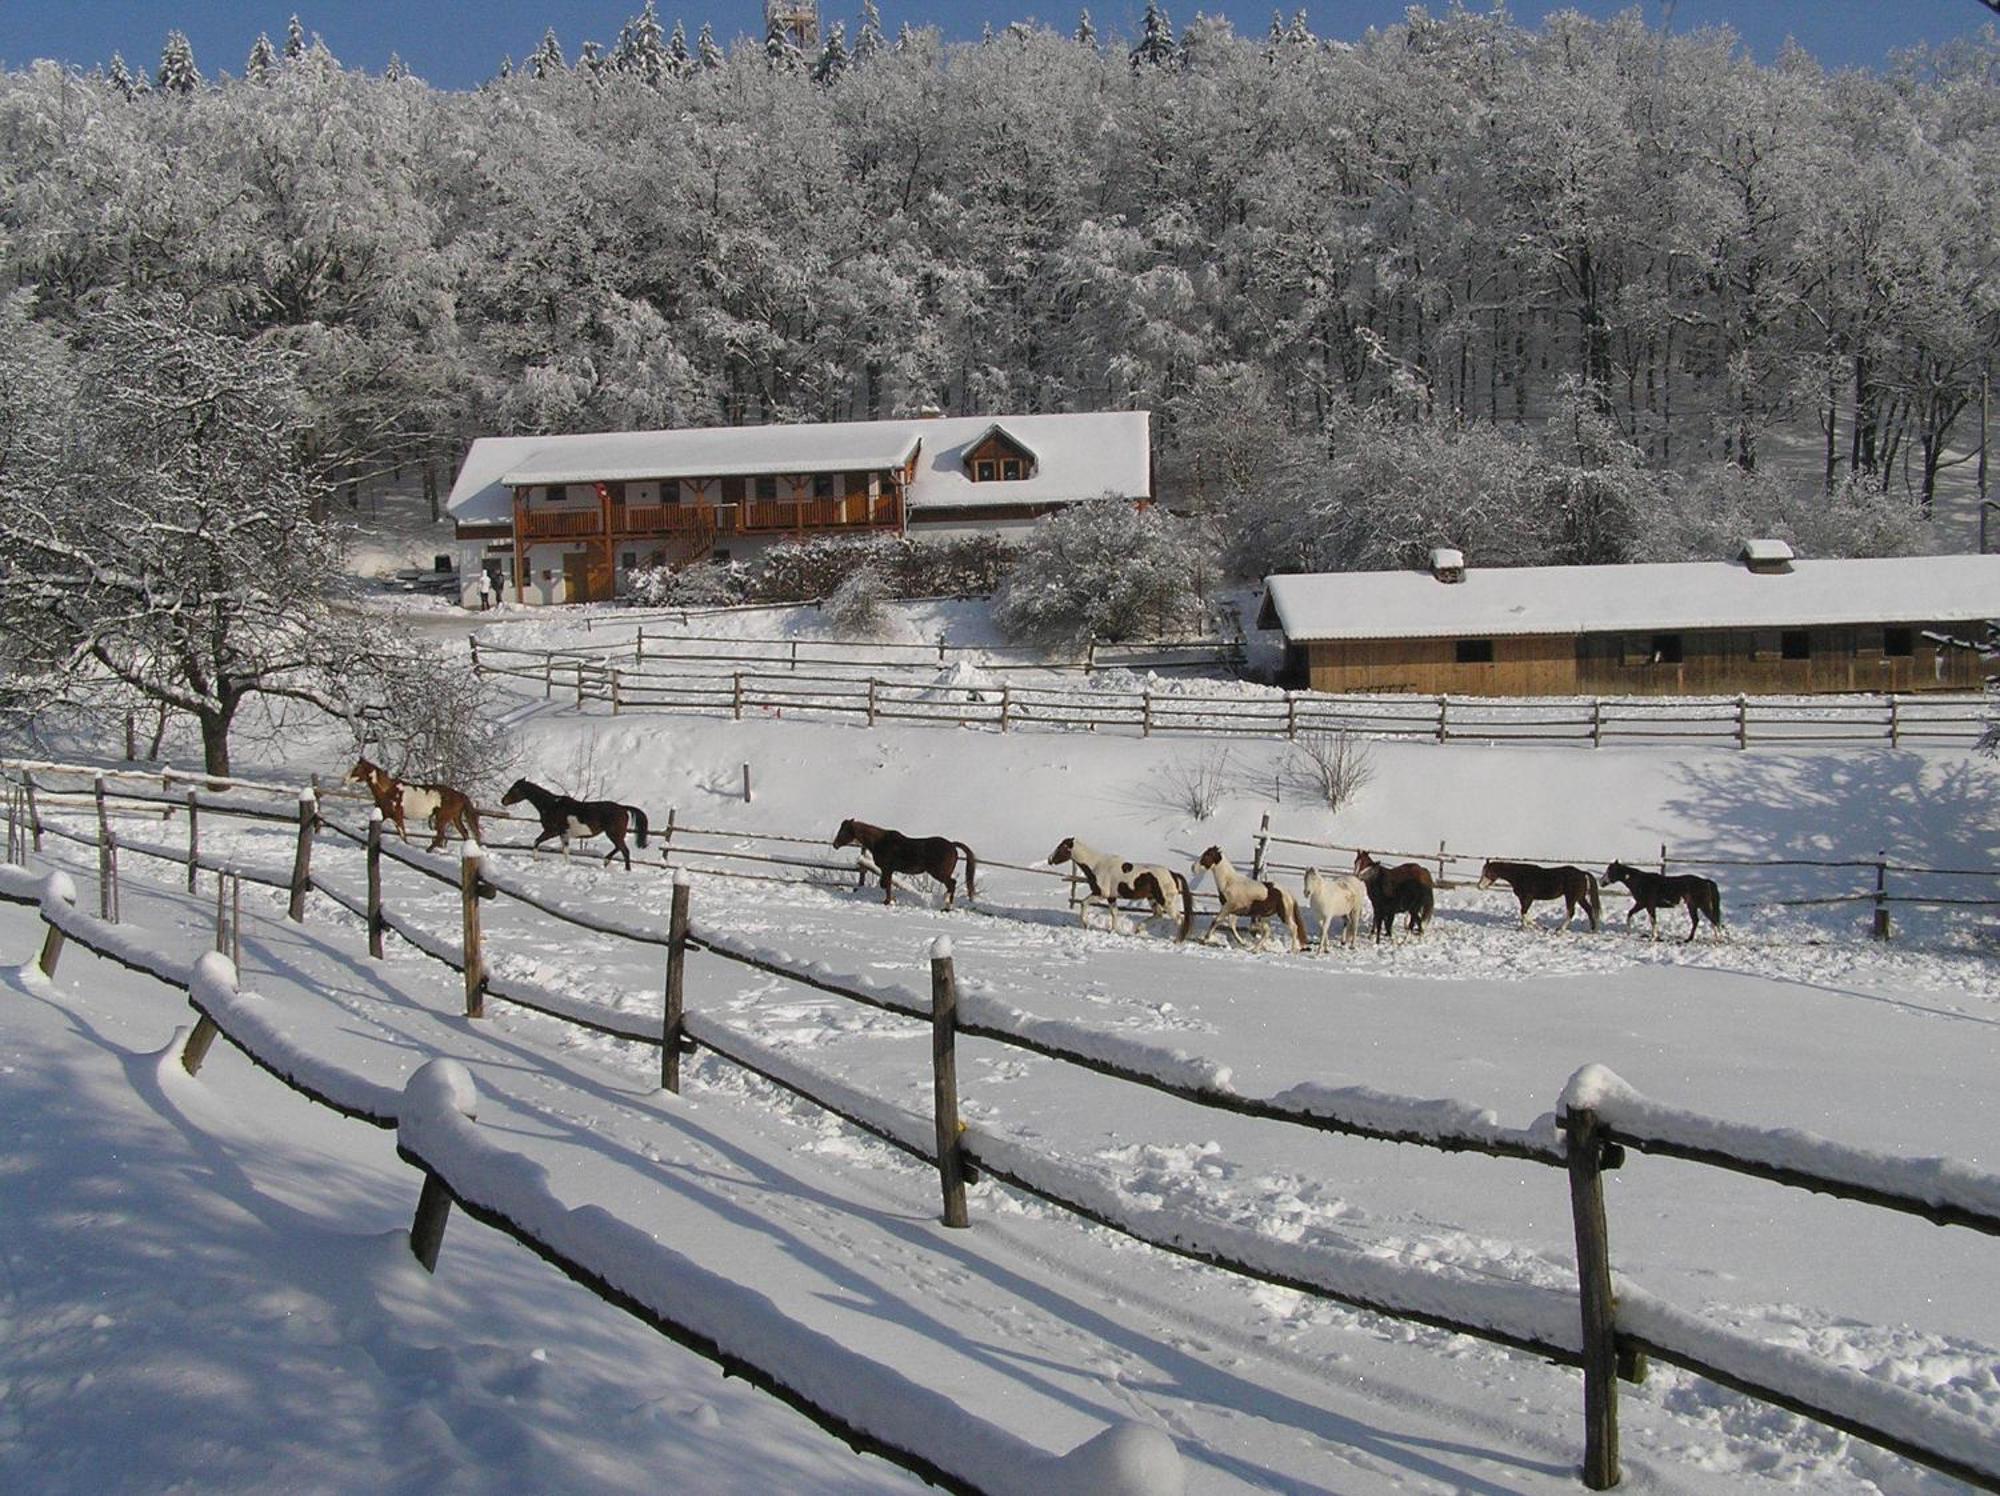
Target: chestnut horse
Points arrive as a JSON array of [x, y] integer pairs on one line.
[[1653, 892], [435, 805], [893, 853], [1405, 888], [1532, 883]]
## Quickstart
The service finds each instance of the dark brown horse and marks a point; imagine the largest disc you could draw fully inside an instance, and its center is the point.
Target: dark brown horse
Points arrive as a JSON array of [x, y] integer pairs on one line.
[[1532, 883], [1653, 892], [893, 853], [435, 805], [565, 817], [1405, 888]]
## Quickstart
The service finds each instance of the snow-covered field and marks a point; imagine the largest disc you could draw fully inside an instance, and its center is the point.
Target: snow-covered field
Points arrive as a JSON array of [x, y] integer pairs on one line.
[[259, 1325]]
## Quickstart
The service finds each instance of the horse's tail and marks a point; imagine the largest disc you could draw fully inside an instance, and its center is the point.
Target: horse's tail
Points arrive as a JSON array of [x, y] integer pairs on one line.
[[1187, 904], [1430, 903], [638, 823], [1714, 901], [1591, 902], [971, 869], [1298, 920]]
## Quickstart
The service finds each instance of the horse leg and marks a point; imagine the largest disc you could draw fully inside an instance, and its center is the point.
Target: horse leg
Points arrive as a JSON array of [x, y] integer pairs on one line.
[[888, 887], [950, 890], [437, 829], [1325, 930]]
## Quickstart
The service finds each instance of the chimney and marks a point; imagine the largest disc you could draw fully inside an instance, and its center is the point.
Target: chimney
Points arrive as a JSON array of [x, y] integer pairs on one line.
[[1767, 557], [1448, 565]]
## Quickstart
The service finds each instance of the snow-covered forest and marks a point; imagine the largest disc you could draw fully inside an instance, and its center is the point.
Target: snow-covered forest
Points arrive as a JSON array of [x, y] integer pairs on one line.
[[1558, 293]]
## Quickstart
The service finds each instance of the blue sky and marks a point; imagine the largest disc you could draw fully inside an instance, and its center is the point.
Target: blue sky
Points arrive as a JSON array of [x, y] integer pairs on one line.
[[458, 45]]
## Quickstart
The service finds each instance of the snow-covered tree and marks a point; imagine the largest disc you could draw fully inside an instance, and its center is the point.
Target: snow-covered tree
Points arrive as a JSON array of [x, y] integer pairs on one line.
[[1086, 31], [295, 39], [1155, 47], [869, 43], [262, 61], [121, 78], [547, 61], [833, 59], [680, 62], [781, 52], [640, 50], [395, 71], [178, 74], [706, 52], [590, 59], [1106, 570]]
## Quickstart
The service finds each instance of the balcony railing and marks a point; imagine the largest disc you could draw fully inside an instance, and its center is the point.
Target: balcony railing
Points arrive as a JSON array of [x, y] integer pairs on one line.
[[753, 517], [561, 524]]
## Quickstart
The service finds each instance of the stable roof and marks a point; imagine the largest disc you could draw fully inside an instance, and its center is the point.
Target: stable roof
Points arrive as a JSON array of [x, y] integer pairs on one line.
[[1079, 456], [1612, 599]]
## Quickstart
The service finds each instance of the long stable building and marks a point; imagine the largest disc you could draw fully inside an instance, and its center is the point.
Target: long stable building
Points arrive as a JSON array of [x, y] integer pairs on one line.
[[564, 518], [1765, 623]]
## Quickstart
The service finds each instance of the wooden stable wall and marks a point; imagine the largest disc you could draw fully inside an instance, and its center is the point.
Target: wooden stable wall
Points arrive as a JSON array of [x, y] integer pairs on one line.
[[1713, 662]]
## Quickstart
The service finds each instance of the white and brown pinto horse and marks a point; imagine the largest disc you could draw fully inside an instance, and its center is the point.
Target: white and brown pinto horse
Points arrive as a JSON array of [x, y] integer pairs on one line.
[[434, 805], [1251, 898], [1112, 878], [1343, 896]]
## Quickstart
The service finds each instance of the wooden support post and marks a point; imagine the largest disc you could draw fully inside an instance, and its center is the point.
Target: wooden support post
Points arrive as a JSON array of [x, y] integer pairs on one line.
[[52, 942], [103, 816], [795, 656], [302, 857], [944, 1078], [103, 853], [639, 649], [375, 925], [1663, 858], [1599, 1310], [1440, 876], [1263, 846], [194, 838], [1742, 722], [196, 1048], [427, 1230], [1882, 895], [674, 1022], [473, 640], [111, 877], [548, 674], [34, 811], [579, 685], [475, 960], [667, 834]]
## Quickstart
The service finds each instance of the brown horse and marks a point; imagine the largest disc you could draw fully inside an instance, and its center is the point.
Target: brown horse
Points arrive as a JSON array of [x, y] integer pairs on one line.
[[564, 817], [1532, 883], [435, 805], [1405, 888], [1653, 892], [893, 853]]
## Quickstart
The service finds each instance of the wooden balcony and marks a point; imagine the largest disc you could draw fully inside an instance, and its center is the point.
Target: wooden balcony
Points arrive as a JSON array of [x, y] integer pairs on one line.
[[752, 518], [563, 524]]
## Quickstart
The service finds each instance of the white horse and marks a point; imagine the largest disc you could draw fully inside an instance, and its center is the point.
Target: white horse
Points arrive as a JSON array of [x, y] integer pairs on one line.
[[1262, 902], [1342, 895], [1112, 878]]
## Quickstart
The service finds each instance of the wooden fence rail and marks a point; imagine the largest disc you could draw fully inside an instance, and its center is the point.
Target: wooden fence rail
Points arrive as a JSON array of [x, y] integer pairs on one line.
[[1952, 1195]]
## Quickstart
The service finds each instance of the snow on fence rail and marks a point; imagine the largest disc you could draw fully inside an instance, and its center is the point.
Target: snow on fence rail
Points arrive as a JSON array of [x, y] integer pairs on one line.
[[1739, 721], [1597, 1120]]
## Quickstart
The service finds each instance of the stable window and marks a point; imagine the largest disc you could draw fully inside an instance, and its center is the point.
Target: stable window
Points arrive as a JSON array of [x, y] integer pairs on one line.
[[732, 490], [1666, 649], [985, 470], [555, 493], [1795, 644], [822, 485], [1901, 643], [767, 490], [1474, 652]]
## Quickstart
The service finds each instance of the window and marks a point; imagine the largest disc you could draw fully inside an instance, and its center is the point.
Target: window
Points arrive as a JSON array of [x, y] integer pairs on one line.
[[1475, 652], [822, 485], [767, 490], [1010, 469], [1666, 649], [556, 493], [985, 470], [732, 490], [1795, 644], [1901, 643], [629, 559]]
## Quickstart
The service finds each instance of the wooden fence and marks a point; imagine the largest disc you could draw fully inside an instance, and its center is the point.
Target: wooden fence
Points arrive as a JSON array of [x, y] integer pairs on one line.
[[1593, 1333], [1736, 722]]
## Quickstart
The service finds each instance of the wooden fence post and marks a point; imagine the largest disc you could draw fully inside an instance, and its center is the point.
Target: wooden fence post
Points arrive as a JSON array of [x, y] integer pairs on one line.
[[103, 817], [1444, 706], [474, 641], [1006, 702], [34, 811], [427, 1230], [1742, 722], [746, 784], [676, 1014], [1663, 858], [1895, 722], [475, 960], [375, 925], [944, 1078], [52, 943], [871, 701], [194, 837], [667, 834], [548, 674], [302, 858], [1291, 714], [109, 893], [1881, 895], [1440, 859], [579, 685], [1263, 845], [738, 702], [1146, 712], [1587, 1161], [616, 703], [1597, 721], [639, 649], [196, 1049]]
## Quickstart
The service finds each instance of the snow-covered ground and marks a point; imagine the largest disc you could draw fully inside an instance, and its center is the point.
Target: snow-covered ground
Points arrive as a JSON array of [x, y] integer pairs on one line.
[[240, 1243]]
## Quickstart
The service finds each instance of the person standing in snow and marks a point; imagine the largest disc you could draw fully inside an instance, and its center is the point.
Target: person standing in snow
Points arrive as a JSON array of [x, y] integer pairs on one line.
[[485, 589]]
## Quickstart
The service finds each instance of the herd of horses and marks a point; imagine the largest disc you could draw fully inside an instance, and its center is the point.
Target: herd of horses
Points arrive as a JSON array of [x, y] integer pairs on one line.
[[1387, 891]]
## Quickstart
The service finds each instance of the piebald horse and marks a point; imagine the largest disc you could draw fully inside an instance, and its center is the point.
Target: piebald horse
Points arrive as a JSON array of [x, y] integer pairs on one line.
[[565, 817], [1342, 896], [1112, 878], [1252, 898], [892, 852], [435, 805]]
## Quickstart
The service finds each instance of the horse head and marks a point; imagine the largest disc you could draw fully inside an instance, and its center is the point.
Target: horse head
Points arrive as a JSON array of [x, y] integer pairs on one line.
[[1486, 874], [1363, 862], [364, 772], [516, 792], [1314, 883], [846, 835], [1065, 851], [1617, 872]]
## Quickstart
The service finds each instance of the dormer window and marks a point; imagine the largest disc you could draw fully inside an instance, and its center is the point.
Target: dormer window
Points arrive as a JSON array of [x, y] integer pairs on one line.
[[985, 470], [997, 458]]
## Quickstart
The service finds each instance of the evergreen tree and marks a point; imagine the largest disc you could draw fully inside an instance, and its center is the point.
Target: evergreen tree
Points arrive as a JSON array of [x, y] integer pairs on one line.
[[781, 53], [590, 59], [869, 42], [679, 62], [178, 74], [706, 51], [906, 37], [1156, 39], [833, 59], [262, 61], [640, 50], [295, 40], [1301, 34], [121, 78], [547, 59], [506, 69], [1086, 30], [395, 72]]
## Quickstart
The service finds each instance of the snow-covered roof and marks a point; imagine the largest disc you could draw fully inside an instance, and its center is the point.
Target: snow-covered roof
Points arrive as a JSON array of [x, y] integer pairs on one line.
[[1081, 456], [1608, 599]]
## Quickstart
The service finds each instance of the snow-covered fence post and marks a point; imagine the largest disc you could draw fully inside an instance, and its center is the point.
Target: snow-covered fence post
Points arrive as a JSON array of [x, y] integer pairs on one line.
[[302, 857], [639, 647], [1588, 1158], [1881, 895], [871, 701], [34, 810], [1895, 722], [616, 702], [1742, 721], [1444, 707], [470, 891], [944, 1081], [1146, 712], [375, 883], [1263, 846], [58, 887], [1597, 721], [194, 837], [108, 895], [736, 701], [674, 1022], [195, 1050]]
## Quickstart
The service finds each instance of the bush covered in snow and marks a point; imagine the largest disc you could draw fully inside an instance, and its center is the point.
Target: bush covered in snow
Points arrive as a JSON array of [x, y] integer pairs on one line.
[[810, 571], [1108, 570], [856, 609], [706, 584]]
